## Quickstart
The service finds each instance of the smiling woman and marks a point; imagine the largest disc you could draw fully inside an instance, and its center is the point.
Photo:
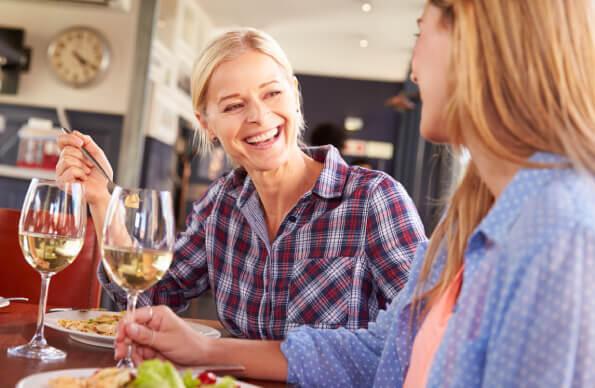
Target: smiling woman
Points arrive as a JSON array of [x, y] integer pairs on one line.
[[293, 235]]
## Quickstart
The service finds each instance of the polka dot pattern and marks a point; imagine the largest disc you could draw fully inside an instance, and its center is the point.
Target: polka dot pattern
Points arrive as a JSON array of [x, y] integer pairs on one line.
[[525, 316]]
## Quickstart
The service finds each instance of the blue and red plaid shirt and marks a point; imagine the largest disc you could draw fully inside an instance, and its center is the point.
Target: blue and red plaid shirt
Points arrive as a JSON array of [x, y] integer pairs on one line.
[[340, 255]]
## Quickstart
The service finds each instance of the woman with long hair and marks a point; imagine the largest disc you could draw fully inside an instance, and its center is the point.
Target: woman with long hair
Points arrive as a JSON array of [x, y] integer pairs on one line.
[[504, 294]]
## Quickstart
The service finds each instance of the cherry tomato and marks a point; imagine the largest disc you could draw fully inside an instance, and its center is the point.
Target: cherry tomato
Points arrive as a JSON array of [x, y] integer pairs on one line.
[[207, 378]]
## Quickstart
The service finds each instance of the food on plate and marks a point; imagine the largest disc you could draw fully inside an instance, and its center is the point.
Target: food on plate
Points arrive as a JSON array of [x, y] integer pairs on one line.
[[104, 324], [103, 378], [149, 374]]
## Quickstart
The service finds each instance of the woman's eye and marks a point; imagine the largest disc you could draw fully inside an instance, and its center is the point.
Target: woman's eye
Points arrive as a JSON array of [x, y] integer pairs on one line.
[[232, 107], [273, 93]]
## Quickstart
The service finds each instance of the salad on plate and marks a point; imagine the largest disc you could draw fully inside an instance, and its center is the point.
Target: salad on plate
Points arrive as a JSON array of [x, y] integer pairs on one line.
[[149, 374]]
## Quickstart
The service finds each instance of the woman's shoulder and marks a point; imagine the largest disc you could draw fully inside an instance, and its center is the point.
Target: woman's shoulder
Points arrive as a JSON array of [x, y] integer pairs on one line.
[[220, 187], [555, 221], [360, 179], [567, 200]]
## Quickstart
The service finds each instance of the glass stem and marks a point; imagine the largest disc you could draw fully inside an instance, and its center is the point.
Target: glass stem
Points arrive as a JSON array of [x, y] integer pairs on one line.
[[130, 309], [38, 337]]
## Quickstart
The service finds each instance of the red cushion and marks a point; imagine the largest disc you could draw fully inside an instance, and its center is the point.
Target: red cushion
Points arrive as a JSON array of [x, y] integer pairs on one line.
[[76, 286]]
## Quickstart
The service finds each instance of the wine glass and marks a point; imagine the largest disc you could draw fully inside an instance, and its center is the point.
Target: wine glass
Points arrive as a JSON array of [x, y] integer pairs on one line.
[[51, 234], [137, 243]]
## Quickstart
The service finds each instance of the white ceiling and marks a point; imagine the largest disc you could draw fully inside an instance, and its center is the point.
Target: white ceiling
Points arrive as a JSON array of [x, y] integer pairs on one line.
[[322, 37]]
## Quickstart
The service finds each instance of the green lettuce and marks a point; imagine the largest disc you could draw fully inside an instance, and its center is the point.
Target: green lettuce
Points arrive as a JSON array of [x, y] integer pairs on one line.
[[160, 374]]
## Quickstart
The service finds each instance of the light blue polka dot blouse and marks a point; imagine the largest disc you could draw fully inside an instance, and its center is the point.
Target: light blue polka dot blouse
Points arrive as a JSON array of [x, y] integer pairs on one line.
[[525, 315]]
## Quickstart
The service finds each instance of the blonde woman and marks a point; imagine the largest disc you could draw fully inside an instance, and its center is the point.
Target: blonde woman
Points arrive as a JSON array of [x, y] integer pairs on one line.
[[504, 295], [293, 236]]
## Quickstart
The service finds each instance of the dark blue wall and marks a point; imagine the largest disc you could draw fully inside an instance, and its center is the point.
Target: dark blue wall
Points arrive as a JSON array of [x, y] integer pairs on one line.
[[328, 99]]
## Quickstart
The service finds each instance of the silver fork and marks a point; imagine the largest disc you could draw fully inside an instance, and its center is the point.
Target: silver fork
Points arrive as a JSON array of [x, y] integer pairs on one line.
[[110, 183]]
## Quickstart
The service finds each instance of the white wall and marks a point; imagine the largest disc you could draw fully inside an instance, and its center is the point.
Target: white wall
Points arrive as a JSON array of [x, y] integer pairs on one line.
[[42, 21]]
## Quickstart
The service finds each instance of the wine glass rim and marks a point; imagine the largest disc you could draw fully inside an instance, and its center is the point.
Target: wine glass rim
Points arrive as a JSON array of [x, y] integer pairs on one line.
[[139, 190], [53, 182]]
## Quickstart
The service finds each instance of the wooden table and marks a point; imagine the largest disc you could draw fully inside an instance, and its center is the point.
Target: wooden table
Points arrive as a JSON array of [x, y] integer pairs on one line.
[[17, 326]]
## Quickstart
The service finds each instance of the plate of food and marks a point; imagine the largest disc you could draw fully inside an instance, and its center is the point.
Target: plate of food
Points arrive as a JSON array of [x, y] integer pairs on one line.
[[152, 373], [98, 328]]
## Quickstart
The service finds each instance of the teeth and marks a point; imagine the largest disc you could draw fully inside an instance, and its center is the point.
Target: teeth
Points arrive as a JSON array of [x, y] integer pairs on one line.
[[263, 137]]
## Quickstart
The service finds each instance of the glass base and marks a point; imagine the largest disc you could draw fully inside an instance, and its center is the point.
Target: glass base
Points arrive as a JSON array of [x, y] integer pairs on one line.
[[36, 351], [125, 363]]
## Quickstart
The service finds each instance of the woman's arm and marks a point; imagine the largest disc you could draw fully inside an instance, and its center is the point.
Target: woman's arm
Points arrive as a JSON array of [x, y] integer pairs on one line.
[[187, 276], [393, 233], [262, 359], [159, 332]]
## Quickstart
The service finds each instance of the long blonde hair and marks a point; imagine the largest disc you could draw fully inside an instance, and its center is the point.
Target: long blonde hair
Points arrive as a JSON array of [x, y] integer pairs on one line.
[[529, 66], [229, 46]]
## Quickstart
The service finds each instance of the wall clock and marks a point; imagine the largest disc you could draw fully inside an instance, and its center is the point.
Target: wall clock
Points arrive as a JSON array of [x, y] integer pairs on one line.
[[79, 56]]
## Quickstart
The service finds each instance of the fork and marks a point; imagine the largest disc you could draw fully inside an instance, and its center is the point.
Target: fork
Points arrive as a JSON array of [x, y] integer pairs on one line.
[[110, 183]]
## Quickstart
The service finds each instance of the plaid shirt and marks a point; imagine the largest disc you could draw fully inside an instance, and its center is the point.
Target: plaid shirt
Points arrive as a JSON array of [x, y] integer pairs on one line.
[[340, 255]]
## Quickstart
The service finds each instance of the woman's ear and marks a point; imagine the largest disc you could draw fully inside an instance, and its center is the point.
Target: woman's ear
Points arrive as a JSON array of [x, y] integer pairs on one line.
[[204, 126]]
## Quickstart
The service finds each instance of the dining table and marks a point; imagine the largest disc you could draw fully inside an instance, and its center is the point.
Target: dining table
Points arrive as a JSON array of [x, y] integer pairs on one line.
[[17, 326]]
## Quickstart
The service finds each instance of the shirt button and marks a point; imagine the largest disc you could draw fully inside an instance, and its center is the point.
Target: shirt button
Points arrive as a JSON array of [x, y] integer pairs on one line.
[[292, 218]]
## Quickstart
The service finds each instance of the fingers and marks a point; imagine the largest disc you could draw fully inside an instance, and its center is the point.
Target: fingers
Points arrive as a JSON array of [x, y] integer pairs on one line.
[[65, 140], [94, 149], [73, 175], [143, 335], [144, 314], [76, 141], [67, 162]]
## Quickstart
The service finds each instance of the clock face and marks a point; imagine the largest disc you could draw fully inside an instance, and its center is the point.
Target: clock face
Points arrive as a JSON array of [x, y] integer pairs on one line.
[[78, 56]]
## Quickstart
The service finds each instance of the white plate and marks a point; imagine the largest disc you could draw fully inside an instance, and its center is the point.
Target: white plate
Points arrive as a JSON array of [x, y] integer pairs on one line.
[[105, 341], [40, 380]]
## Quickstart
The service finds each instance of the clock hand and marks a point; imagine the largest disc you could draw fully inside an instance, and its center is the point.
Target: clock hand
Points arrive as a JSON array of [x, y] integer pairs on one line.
[[83, 61], [79, 58]]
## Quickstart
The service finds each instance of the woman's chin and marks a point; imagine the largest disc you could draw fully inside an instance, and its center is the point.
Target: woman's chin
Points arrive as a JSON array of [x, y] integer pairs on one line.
[[434, 135]]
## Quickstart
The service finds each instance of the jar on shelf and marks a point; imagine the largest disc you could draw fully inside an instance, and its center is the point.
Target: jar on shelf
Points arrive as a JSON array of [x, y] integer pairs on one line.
[[37, 145]]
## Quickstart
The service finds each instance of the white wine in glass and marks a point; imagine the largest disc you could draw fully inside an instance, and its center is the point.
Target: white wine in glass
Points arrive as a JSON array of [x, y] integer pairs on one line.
[[51, 234], [137, 243]]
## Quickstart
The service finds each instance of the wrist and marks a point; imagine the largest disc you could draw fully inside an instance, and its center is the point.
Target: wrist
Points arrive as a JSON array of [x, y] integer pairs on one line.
[[99, 203], [207, 351]]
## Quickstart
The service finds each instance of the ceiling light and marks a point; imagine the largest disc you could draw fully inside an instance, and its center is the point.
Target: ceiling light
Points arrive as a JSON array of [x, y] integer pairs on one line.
[[363, 43], [366, 7]]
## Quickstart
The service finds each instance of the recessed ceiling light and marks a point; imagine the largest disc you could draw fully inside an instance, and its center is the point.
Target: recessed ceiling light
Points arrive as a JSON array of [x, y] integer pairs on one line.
[[366, 7], [363, 43]]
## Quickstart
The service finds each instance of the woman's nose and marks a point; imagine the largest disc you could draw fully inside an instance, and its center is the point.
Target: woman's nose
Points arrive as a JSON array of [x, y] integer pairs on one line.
[[257, 110]]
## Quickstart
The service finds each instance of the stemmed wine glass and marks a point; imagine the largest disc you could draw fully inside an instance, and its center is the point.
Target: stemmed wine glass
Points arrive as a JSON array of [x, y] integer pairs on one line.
[[137, 243], [51, 235]]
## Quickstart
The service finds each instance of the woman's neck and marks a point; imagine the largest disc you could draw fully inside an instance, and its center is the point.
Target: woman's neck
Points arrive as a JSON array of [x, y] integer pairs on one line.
[[280, 190], [495, 172]]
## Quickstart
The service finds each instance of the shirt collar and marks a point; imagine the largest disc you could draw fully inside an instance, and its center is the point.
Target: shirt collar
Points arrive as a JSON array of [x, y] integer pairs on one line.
[[527, 183], [329, 184], [334, 173]]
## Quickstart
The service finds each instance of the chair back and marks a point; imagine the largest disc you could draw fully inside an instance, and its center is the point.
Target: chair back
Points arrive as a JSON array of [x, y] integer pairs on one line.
[[76, 286]]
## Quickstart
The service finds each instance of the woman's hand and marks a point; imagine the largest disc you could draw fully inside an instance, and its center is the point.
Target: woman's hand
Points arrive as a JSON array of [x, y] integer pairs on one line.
[[73, 166], [157, 332]]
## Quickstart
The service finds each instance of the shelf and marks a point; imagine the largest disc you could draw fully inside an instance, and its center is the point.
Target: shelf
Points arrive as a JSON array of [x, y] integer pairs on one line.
[[25, 173]]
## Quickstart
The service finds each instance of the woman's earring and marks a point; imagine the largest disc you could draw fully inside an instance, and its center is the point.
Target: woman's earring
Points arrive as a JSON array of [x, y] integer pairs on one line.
[[215, 140]]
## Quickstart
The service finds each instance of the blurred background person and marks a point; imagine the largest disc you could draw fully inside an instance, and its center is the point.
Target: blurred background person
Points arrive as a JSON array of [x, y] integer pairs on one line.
[[328, 134]]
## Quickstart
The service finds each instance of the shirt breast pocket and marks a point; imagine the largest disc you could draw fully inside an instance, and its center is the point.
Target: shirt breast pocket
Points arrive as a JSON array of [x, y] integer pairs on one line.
[[320, 292]]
